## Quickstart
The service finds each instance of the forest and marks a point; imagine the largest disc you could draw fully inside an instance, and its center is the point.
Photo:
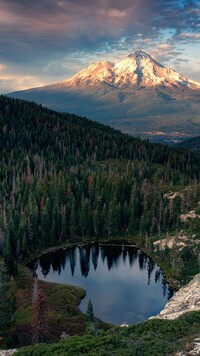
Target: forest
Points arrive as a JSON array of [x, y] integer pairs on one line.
[[65, 178]]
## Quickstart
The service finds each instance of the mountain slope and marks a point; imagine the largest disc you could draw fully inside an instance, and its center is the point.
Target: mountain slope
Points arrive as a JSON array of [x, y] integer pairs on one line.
[[192, 144], [136, 95]]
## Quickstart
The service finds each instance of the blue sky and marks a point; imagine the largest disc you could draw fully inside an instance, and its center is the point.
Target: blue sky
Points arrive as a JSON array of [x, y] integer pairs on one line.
[[45, 41]]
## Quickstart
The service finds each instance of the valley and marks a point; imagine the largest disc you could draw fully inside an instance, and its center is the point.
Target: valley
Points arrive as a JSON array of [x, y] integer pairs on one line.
[[136, 95]]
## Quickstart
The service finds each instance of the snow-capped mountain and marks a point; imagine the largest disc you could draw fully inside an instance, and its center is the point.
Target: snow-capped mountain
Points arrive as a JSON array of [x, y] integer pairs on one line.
[[138, 69], [137, 95]]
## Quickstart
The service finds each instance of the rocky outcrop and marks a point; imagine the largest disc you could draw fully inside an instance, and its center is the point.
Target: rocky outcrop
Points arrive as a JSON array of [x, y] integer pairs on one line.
[[7, 352], [187, 299], [195, 349], [190, 215], [180, 240]]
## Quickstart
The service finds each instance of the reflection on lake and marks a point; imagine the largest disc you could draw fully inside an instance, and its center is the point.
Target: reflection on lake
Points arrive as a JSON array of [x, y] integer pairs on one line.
[[125, 285]]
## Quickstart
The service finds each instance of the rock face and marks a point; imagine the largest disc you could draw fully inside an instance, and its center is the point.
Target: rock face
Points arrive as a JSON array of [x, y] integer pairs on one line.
[[187, 299]]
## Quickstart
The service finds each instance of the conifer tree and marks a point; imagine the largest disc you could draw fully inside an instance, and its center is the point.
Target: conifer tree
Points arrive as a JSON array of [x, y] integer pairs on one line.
[[90, 312]]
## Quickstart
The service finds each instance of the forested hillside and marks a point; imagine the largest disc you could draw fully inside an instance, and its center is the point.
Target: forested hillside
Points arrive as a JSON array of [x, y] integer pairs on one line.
[[65, 179], [192, 144], [63, 176]]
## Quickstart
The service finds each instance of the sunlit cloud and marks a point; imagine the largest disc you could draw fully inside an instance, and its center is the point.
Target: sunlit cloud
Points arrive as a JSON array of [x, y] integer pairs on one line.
[[12, 82], [2, 66], [39, 37], [189, 36]]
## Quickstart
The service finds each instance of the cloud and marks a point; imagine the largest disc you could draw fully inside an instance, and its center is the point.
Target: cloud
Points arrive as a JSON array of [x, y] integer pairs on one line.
[[2, 66], [40, 36], [181, 60], [9, 83], [67, 24], [11, 79], [192, 37]]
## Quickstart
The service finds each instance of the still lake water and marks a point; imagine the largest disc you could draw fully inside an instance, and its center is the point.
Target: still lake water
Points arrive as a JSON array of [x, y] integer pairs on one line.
[[125, 285]]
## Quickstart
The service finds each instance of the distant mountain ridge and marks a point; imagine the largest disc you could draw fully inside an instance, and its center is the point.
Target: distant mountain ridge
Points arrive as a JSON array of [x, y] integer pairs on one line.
[[137, 95], [192, 144]]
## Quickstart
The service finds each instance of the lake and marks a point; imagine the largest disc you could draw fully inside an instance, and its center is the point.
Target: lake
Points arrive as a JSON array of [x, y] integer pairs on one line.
[[124, 284]]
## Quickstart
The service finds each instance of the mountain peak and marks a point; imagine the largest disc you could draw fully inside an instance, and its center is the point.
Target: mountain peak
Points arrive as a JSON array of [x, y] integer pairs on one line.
[[137, 69], [139, 53], [136, 93]]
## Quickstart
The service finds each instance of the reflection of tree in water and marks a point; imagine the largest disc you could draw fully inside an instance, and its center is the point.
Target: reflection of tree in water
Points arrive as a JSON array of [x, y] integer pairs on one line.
[[56, 265], [150, 268], [167, 289], [110, 259], [72, 259], [124, 252], [171, 292], [157, 275], [45, 263], [63, 259], [57, 259], [116, 253], [95, 256], [142, 260], [164, 286], [112, 254], [84, 255], [103, 255], [108, 253], [132, 254]]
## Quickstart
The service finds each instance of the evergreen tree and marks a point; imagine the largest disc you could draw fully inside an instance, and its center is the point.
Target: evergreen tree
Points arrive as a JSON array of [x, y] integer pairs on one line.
[[90, 312], [73, 220], [84, 218]]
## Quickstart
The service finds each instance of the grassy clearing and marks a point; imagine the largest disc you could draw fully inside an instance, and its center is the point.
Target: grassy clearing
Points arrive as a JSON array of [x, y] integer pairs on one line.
[[62, 304]]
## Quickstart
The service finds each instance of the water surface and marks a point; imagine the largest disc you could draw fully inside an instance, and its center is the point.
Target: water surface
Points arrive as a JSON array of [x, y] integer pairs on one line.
[[125, 285]]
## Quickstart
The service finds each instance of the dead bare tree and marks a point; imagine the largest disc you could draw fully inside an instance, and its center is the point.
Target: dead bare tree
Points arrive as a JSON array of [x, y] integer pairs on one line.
[[39, 323]]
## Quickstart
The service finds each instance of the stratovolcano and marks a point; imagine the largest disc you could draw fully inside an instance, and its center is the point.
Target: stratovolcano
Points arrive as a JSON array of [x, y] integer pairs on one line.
[[137, 95]]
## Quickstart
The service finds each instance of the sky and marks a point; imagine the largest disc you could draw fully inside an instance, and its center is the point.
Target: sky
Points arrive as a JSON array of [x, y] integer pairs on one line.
[[46, 41]]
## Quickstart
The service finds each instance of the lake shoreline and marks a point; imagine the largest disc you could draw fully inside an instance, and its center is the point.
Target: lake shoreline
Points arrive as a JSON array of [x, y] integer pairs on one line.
[[129, 241], [103, 268]]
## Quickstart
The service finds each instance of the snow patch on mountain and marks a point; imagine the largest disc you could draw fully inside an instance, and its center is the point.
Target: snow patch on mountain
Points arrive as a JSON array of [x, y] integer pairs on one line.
[[137, 69], [96, 72]]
